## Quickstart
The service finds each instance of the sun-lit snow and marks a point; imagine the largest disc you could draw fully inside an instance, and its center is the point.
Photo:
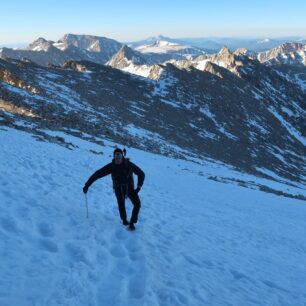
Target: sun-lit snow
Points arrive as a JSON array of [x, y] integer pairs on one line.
[[40, 48], [60, 45], [141, 70], [161, 46]]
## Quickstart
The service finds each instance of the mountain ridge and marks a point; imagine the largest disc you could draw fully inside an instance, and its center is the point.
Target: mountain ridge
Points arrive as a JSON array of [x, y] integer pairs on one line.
[[249, 117]]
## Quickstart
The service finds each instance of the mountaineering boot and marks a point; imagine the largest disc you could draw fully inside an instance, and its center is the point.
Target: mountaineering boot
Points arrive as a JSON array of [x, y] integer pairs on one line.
[[125, 222], [131, 227]]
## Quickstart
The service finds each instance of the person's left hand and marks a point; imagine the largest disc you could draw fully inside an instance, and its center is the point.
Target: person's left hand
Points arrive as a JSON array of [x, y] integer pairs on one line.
[[85, 189]]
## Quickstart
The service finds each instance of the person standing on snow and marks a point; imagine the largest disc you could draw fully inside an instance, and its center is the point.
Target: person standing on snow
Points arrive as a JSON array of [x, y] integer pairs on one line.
[[122, 170]]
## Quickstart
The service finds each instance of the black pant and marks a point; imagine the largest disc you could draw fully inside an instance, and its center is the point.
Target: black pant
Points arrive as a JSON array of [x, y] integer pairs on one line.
[[121, 192]]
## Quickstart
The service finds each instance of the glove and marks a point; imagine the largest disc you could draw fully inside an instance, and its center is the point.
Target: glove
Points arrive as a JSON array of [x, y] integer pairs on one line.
[[85, 189], [137, 189]]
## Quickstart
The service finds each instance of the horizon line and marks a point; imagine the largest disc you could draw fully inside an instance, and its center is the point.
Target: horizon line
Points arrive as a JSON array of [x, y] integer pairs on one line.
[[2, 44]]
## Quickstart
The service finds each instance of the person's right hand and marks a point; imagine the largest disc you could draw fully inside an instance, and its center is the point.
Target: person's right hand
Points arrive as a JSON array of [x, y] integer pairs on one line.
[[85, 189]]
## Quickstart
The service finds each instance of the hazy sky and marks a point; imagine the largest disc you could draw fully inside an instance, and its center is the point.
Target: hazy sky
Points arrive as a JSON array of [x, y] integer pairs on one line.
[[24, 21]]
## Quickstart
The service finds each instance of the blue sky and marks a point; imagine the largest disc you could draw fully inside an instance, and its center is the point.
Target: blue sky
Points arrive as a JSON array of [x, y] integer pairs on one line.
[[23, 21]]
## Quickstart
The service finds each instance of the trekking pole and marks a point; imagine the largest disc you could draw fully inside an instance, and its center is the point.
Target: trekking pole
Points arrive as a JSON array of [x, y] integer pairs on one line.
[[86, 204]]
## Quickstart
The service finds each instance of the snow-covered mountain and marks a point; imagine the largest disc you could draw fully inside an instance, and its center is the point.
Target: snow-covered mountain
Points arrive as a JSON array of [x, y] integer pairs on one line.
[[213, 44], [125, 56], [169, 50], [246, 52], [155, 50], [135, 62], [70, 47], [288, 53], [90, 43], [150, 41], [288, 59], [41, 44], [161, 46]]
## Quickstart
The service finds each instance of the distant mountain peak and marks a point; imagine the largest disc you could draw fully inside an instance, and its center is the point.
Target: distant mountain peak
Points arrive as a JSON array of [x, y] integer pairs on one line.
[[159, 37], [69, 47], [40, 40], [286, 53], [225, 51], [129, 54], [68, 36], [290, 47], [125, 56], [40, 44], [245, 52], [264, 41], [164, 43]]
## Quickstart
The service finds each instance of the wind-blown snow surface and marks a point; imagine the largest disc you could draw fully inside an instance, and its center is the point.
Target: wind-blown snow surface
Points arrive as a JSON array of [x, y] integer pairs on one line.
[[198, 242]]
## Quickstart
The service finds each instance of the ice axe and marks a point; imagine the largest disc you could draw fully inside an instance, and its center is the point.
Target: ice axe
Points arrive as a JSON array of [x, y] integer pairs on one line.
[[86, 204]]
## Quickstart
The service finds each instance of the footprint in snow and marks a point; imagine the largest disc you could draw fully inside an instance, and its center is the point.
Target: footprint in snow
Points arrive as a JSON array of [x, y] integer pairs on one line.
[[272, 285], [192, 261], [137, 285], [9, 224], [120, 234], [109, 290], [118, 251], [46, 229], [240, 276], [48, 245], [22, 212], [77, 253]]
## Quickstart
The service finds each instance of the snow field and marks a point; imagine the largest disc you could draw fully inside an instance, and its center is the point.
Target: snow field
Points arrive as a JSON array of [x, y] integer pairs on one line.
[[198, 242]]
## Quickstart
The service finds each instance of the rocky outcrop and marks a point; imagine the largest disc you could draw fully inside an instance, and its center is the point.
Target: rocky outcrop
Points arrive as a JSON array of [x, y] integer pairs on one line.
[[76, 66], [14, 109], [9, 78]]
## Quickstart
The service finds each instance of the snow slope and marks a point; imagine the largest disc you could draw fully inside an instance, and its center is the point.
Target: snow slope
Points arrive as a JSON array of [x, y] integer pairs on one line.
[[198, 242]]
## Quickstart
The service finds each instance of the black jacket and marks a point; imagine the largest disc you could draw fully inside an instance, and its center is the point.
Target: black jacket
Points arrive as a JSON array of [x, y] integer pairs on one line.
[[121, 174]]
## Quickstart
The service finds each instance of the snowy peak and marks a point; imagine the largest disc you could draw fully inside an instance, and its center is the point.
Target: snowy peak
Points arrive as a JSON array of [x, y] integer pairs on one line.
[[134, 62], [164, 43], [160, 46], [154, 39], [125, 57], [264, 41], [83, 42], [287, 53], [224, 58], [150, 41], [290, 47], [246, 52], [168, 47], [90, 42], [225, 51], [70, 47], [41, 44], [237, 62]]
